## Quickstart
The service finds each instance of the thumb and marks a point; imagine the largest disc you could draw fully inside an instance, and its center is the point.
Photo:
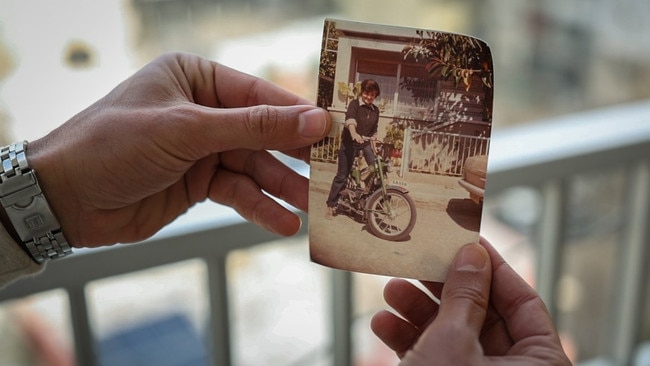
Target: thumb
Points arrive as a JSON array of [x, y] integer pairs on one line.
[[454, 334], [466, 292], [266, 127]]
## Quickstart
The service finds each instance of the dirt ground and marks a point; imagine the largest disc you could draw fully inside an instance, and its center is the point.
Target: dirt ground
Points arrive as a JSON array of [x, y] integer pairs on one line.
[[446, 220]]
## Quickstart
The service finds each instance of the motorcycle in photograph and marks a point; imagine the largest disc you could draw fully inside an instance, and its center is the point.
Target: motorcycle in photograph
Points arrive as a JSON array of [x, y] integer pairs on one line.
[[388, 210]]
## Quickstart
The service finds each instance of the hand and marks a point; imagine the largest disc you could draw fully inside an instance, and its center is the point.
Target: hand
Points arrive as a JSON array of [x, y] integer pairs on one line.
[[487, 315], [180, 130], [357, 138]]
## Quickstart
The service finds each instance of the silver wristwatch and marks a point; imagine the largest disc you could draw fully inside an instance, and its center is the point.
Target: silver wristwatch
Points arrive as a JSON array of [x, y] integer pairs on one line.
[[26, 207]]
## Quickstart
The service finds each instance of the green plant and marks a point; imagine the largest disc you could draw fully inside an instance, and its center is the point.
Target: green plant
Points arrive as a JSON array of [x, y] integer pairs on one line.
[[395, 134], [349, 91], [327, 66], [450, 55]]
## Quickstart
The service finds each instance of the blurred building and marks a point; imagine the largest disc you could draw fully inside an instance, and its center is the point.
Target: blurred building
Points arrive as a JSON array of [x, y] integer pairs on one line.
[[555, 57]]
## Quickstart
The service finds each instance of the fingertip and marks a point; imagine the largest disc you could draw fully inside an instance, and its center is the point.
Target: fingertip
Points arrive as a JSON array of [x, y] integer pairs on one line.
[[471, 258], [286, 224], [313, 123], [496, 260], [383, 322], [379, 319], [393, 286], [396, 333], [485, 244]]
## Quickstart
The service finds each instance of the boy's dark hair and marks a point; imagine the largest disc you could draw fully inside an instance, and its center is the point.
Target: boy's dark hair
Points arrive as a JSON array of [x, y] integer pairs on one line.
[[370, 85]]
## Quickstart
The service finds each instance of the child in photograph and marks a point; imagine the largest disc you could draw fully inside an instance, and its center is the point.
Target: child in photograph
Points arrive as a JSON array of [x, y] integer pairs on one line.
[[361, 120]]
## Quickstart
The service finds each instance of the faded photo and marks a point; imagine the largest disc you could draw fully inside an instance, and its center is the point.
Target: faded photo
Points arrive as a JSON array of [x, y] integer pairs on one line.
[[397, 187]]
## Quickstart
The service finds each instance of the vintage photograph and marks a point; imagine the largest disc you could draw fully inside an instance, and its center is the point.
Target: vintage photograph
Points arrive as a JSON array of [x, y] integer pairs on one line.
[[397, 187]]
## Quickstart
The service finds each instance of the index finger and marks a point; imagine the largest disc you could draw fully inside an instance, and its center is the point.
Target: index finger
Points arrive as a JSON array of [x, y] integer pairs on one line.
[[237, 89], [185, 77]]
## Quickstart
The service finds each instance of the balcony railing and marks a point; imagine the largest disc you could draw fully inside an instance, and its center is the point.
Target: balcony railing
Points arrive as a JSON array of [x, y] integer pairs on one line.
[[543, 156]]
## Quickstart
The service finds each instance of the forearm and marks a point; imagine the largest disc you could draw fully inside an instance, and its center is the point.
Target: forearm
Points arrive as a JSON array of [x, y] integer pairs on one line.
[[351, 124]]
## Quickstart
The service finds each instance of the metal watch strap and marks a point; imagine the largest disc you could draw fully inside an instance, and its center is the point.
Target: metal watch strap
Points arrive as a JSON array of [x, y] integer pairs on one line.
[[27, 208]]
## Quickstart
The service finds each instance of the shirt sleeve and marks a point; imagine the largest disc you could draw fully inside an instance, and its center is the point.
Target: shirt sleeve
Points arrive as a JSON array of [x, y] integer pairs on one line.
[[14, 262], [353, 108]]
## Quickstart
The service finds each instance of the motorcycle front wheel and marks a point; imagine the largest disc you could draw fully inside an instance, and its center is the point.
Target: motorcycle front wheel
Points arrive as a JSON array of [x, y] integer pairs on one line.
[[391, 216]]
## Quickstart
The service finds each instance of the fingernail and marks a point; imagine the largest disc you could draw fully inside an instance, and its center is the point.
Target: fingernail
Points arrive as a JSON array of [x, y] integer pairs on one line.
[[312, 123], [471, 258]]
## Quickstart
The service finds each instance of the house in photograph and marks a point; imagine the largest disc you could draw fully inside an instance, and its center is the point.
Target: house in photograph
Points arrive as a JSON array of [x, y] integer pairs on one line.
[[436, 89]]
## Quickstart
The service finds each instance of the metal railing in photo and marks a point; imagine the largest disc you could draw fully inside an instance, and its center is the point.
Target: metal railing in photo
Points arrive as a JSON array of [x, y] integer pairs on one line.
[[543, 155], [441, 153], [431, 152], [326, 150]]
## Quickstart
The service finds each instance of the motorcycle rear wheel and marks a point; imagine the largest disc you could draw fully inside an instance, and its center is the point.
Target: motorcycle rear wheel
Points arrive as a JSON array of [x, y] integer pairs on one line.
[[391, 216]]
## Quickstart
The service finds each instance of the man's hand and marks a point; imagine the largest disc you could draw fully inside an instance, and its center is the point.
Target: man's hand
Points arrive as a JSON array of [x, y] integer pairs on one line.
[[354, 134], [180, 130], [487, 315]]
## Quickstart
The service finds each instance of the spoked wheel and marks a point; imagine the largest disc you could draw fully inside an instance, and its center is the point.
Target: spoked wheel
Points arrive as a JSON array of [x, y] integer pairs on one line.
[[391, 216]]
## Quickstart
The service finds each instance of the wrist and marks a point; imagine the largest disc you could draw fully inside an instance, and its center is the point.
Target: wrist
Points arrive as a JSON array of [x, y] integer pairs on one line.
[[27, 214]]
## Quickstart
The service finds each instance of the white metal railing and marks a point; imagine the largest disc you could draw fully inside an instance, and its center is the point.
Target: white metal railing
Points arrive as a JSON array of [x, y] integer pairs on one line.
[[542, 155], [546, 155], [431, 152], [450, 151], [211, 243]]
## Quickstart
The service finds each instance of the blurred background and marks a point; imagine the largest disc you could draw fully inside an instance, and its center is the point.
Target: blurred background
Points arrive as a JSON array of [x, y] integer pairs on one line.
[[552, 59]]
